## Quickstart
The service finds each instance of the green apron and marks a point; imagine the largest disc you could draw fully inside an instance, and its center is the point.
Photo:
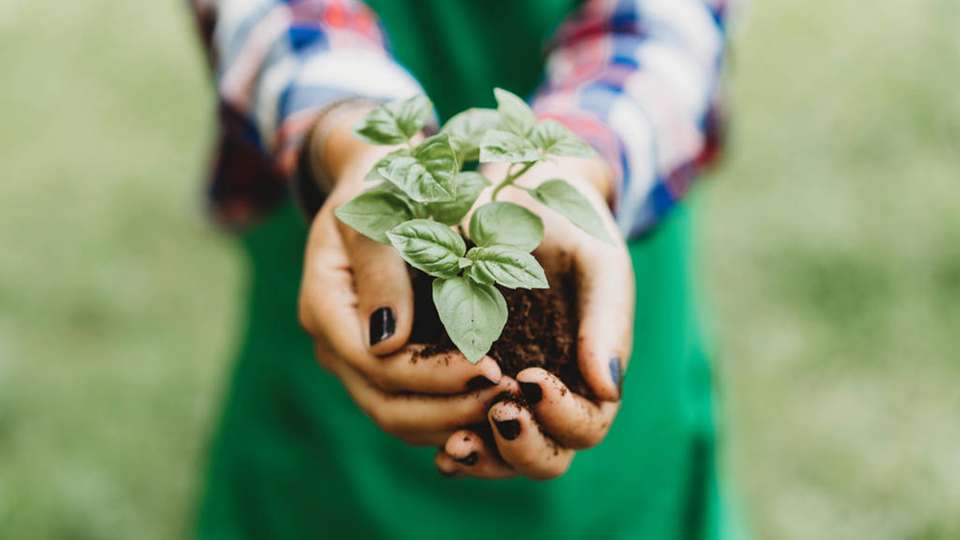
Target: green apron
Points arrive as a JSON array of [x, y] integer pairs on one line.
[[294, 457]]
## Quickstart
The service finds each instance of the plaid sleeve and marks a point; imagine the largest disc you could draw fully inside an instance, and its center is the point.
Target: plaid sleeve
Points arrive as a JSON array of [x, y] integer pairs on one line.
[[639, 79], [276, 64]]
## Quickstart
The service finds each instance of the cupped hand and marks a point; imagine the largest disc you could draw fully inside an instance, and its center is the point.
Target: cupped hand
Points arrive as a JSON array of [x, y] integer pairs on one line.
[[537, 437], [356, 300]]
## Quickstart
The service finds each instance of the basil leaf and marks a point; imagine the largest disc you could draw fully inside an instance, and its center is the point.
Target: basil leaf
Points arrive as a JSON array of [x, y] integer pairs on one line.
[[473, 314], [565, 199], [515, 113], [499, 145], [374, 175], [426, 174], [507, 266], [468, 127], [555, 139], [395, 122], [428, 246], [374, 213], [506, 224], [437, 155], [468, 186]]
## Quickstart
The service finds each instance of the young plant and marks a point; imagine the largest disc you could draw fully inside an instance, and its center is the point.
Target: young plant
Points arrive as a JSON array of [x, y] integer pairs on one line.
[[420, 191]]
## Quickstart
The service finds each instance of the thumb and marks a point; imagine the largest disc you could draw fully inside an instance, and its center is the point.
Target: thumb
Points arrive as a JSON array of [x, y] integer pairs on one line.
[[384, 294], [606, 296]]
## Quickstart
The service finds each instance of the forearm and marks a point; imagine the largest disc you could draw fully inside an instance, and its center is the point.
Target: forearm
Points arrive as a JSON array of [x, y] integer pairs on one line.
[[278, 65], [640, 81]]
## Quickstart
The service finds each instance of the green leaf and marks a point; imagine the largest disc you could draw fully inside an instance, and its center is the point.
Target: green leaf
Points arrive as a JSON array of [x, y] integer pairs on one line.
[[395, 122], [514, 112], [554, 138], [506, 224], [467, 129], [428, 246], [373, 175], [425, 175], [565, 199], [507, 266], [499, 145], [472, 313], [468, 186], [374, 213], [436, 154]]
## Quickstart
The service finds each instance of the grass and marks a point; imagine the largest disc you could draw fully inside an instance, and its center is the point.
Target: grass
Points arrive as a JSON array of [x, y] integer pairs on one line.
[[830, 252]]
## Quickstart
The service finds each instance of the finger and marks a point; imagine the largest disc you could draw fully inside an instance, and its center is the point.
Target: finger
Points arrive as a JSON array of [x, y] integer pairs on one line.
[[465, 454], [328, 310], [523, 446], [570, 419], [442, 373], [406, 414], [326, 289], [605, 292], [410, 370], [384, 293]]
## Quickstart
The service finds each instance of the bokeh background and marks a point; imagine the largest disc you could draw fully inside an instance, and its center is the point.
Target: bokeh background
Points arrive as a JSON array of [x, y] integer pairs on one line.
[[830, 259]]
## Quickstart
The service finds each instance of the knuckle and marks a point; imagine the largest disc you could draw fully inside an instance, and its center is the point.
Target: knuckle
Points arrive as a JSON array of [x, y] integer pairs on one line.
[[386, 420], [382, 379], [584, 440], [305, 316], [555, 469]]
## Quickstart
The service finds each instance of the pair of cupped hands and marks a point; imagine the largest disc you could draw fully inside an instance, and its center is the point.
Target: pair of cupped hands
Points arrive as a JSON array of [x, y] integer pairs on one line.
[[356, 301]]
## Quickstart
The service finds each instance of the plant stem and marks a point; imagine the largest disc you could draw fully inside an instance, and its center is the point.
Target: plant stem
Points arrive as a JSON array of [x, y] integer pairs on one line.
[[511, 178]]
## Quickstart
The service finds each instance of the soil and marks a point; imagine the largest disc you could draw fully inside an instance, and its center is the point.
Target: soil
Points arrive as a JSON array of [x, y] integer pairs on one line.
[[541, 329]]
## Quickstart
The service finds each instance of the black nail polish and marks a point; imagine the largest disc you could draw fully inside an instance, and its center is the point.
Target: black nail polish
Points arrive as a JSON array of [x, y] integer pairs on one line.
[[479, 383], [616, 373], [382, 325], [470, 459], [531, 392], [509, 429]]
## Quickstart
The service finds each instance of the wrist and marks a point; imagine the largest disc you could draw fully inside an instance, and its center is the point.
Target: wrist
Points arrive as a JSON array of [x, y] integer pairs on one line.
[[597, 174], [333, 149]]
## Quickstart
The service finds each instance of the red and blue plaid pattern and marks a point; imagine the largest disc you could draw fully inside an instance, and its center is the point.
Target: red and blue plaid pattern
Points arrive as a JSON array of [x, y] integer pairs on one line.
[[639, 79]]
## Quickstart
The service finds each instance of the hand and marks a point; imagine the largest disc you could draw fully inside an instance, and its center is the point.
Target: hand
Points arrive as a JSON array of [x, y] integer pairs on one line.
[[538, 438], [357, 303]]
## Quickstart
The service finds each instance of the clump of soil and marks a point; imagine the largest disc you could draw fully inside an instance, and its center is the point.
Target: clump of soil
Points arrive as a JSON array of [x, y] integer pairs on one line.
[[541, 329]]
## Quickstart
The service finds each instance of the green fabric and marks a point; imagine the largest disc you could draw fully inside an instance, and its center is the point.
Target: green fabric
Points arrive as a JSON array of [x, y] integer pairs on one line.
[[295, 458]]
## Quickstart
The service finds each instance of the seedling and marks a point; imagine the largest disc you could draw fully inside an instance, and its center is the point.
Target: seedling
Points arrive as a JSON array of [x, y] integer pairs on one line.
[[420, 191]]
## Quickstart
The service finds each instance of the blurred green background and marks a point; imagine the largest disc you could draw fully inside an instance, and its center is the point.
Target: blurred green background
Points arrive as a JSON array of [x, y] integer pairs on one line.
[[830, 256]]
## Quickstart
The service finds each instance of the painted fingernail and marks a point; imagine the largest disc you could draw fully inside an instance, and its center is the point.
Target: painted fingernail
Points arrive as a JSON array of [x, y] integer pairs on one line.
[[479, 383], [382, 325], [531, 392], [470, 459], [509, 429], [616, 373]]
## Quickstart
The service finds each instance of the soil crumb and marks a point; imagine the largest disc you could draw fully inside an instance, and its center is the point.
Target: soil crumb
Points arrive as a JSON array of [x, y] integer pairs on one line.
[[541, 329]]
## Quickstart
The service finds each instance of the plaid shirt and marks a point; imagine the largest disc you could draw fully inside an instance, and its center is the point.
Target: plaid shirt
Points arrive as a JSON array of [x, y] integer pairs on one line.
[[638, 79]]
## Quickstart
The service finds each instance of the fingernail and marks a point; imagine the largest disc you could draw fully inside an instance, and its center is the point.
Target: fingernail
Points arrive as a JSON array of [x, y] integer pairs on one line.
[[448, 474], [616, 373], [531, 392], [382, 325], [509, 429], [470, 459], [479, 383], [501, 397]]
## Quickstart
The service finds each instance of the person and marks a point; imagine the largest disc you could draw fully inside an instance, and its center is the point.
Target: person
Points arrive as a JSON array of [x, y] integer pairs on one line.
[[347, 451]]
